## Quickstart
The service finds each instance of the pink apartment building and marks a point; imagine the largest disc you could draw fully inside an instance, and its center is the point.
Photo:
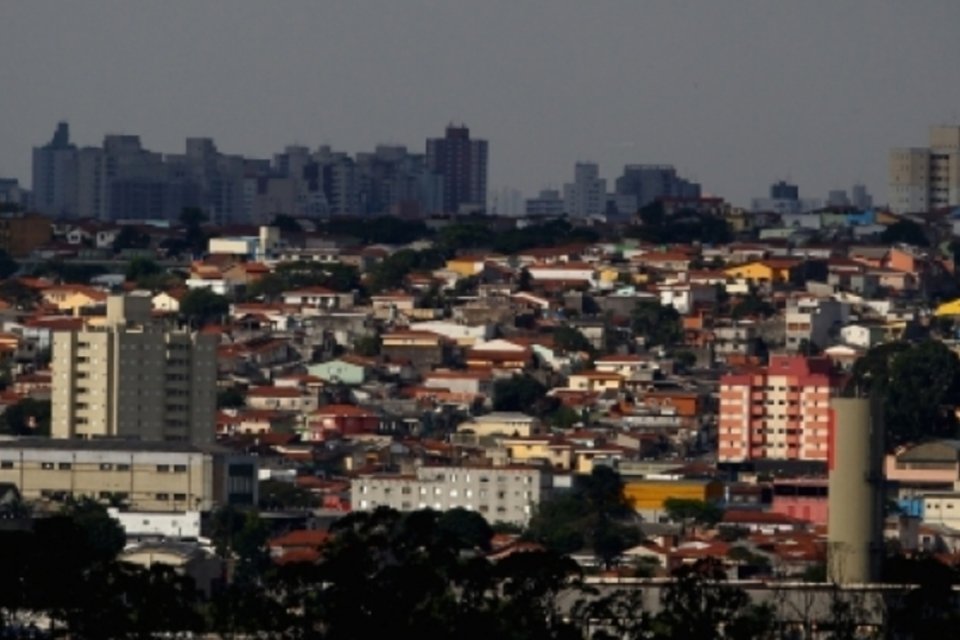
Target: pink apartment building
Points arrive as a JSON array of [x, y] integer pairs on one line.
[[781, 411]]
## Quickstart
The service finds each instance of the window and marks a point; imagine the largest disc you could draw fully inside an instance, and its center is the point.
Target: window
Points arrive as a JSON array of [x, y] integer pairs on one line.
[[122, 467], [179, 468], [163, 497], [163, 468], [46, 465], [64, 466], [6, 464], [180, 496], [105, 466]]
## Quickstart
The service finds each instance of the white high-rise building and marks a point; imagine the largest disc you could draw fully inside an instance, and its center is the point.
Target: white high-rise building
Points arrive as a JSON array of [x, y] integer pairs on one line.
[[587, 194], [131, 378]]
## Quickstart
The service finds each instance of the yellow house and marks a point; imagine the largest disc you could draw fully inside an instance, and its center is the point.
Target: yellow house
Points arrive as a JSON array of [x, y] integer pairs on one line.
[[650, 495], [772, 270], [595, 381], [466, 265], [951, 308], [558, 455], [78, 300]]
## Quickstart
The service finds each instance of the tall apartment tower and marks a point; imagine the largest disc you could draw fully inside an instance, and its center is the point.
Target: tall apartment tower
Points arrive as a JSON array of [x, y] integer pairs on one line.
[[926, 178], [462, 163], [779, 412], [587, 194], [131, 378], [55, 175]]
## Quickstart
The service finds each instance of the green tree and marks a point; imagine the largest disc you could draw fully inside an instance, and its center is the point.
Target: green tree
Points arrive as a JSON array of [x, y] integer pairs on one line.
[[368, 346], [905, 231], [29, 417], [231, 398], [752, 306], [286, 224], [522, 392], [919, 385], [140, 269], [104, 537], [8, 266], [697, 605], [466, 529], [19, 294], [195, 238], [657, 323], [570, 340], [689, 510], [595, 514], [202, 306], [130, 237]]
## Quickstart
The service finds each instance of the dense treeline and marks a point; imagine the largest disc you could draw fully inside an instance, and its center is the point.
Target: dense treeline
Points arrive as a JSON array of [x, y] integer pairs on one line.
[[421, 574]]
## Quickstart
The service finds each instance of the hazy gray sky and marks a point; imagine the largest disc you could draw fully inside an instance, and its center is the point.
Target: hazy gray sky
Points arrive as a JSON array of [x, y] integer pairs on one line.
[[735, 94]]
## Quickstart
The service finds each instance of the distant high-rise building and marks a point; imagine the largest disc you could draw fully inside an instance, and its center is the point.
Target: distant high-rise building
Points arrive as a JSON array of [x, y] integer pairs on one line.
[[11, 193], [55, 174], [131, 378], [587, 194], [462, 163], [122, 180], [784, 197], [860, 197], [547, 203], [506, 201], [838, 198], [784, 191], [649, 182], [922, 179]]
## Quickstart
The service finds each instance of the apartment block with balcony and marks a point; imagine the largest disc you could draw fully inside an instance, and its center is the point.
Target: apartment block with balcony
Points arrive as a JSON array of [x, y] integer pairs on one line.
[[499, 494], [131, 378], [778, 412]]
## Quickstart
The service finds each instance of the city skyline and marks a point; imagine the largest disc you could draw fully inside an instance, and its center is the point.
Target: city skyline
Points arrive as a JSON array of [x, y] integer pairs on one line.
[[734, 99]]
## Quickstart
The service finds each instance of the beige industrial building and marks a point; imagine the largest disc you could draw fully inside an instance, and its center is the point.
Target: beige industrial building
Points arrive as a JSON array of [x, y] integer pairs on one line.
[[499, 494], [143, 476], [926, 178], [131, 378]]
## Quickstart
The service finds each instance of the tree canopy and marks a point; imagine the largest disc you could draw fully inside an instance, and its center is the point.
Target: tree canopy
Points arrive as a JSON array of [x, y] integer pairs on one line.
[[594, 514], [919, 385], [202, 306], [657, 323], [905, 231]]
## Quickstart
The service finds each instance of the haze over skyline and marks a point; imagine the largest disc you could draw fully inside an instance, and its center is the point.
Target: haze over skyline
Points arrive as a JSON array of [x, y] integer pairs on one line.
[[735, 94]]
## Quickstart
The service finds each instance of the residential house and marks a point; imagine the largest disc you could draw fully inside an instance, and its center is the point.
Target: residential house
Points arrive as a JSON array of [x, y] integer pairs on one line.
[[595, 381], [424, 349], [507, 423], [319, 298], [281, 399], [348, 370], [500, 355], [341, 420]]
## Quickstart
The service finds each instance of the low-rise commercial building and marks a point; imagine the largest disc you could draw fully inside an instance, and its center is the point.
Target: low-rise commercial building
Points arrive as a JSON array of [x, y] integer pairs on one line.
[[144, 476]]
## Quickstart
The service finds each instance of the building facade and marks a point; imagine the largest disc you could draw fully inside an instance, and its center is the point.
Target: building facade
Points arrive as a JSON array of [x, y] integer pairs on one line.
[[778, 412], [499, 494], [462, 163], [131, 378], [587, 194], [144, 476], [926, 178]]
